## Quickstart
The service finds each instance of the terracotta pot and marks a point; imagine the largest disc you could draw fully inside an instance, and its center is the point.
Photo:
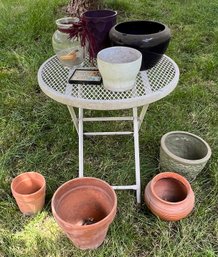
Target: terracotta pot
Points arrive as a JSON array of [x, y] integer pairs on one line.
[[169, 196], [28, 190], [84, 208], [183, 152]]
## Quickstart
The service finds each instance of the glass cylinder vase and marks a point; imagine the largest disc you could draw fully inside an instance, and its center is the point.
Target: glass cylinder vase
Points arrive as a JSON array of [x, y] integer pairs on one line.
[[68, 50]]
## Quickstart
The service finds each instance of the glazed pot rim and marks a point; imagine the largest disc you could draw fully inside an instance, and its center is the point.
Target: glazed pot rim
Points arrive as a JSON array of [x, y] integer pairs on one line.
[[139, 55], [183, 160], [91, 226], [113, 13], [142, 35], [41, 178], [172, 175]]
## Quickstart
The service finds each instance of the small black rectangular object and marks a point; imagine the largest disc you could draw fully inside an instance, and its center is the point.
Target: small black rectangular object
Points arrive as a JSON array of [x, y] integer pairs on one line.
[[85, 76]]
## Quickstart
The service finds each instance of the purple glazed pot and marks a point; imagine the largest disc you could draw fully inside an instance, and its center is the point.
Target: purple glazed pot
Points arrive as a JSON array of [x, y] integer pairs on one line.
[[99, 23]]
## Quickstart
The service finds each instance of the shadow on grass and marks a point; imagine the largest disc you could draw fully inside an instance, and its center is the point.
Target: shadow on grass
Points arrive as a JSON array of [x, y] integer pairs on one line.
[[40, 235]]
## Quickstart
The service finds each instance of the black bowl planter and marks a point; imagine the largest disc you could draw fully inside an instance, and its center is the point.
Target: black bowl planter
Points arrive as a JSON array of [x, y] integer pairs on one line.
[[151, 38]]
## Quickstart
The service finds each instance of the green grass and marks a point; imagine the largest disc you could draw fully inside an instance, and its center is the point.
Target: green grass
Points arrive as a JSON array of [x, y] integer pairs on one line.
[[36, 134]]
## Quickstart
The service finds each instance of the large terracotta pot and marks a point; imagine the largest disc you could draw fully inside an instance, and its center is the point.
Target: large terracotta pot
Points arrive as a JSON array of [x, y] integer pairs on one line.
[[28, 190], [169, 196], [84, 208], [183, 152], [151, 38]]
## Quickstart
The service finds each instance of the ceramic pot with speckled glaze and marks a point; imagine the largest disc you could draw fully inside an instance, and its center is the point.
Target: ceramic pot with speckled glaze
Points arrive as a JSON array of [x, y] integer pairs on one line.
[[84, 208], [184, 153], [169, 196], [28, 190]]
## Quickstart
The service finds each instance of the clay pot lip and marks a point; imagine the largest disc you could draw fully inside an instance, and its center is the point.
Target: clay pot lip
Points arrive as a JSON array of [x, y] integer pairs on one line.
[[91, 226], [41, 189], [175, 176], [166, 28], [183, 160]]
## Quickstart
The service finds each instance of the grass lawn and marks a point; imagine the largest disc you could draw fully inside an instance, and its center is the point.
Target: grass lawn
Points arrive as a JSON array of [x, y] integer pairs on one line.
[[36, 134]]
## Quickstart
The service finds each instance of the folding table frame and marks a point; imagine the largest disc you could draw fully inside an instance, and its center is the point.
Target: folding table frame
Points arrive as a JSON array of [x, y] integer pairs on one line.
[[137, 121], [150, 86]]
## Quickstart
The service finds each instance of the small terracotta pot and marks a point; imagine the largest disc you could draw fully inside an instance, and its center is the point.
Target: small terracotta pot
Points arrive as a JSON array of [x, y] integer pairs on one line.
[[28, 190], [169, 196], [84, 208]]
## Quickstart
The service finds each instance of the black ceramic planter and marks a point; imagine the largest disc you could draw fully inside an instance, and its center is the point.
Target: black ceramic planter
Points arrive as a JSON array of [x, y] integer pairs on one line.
[[149, 37]]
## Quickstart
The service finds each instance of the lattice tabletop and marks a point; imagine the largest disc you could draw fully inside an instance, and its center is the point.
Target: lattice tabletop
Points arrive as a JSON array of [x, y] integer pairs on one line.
[[150, 86]]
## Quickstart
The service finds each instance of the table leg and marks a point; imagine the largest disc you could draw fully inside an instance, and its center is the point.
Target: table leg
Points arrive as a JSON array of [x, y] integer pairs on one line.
[[142, 114], [74, 118], [78, 122], [80, 134], [137, 160]]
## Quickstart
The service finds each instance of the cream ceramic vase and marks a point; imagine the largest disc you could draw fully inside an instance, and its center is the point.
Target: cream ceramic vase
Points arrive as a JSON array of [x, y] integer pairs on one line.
[[119, 67]]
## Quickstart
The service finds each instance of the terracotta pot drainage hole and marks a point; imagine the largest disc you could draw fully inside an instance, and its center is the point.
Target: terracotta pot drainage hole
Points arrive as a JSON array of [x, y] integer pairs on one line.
[[88, 221]]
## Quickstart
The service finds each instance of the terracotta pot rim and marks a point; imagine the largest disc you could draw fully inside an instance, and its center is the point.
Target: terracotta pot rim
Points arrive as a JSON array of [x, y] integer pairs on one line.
[[183, 160], [175, 176], [42, 188], [91, 226]]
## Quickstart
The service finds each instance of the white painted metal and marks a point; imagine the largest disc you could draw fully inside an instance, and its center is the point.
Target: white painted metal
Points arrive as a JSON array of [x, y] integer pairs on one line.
[[151, 85], [147, 85], [135, 120], [80, 142], [133, 187], [137, 160], [108, 119], [108, 133], [142, 114]]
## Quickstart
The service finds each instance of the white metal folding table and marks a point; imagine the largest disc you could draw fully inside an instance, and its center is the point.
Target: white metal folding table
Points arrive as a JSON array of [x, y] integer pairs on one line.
[[151, 85]]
